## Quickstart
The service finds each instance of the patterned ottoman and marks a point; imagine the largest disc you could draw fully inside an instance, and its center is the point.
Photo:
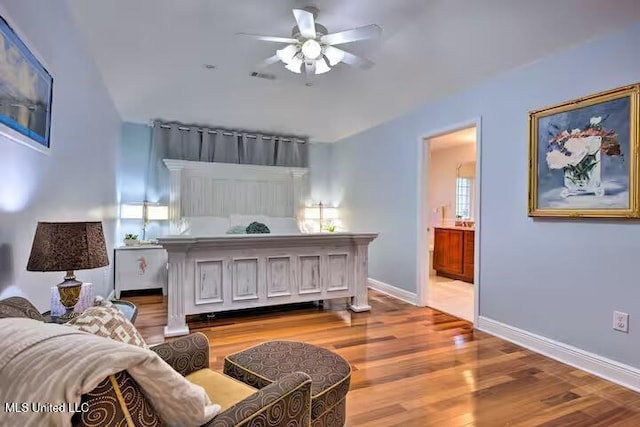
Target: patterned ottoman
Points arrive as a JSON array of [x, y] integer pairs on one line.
[[259, 366]]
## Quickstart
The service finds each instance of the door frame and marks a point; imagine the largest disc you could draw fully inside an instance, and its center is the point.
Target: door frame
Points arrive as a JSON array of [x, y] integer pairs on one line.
[[424, 158]]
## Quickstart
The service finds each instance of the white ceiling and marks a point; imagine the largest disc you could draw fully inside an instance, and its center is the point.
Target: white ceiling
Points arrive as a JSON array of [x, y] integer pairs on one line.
[[151, 55], [453, 139]]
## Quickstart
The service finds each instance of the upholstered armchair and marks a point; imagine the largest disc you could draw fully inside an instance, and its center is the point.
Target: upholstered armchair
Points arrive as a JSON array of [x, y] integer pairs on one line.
[[118, 401]]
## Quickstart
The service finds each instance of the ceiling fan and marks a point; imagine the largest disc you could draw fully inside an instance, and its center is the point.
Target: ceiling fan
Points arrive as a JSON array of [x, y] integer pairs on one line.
[[312, 50]]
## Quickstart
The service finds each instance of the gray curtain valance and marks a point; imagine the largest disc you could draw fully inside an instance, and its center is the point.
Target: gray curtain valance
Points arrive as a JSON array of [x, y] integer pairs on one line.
[[181, 142]]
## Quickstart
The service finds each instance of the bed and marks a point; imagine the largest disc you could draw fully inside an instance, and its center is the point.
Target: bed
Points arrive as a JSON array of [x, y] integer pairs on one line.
[[212, 271]]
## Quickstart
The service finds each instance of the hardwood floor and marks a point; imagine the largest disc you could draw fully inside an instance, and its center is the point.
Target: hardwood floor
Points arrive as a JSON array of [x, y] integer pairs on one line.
[[419, 367]]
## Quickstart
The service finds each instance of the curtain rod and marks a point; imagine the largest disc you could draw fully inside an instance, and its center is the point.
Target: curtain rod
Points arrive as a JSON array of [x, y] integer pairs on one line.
[[202, 130]]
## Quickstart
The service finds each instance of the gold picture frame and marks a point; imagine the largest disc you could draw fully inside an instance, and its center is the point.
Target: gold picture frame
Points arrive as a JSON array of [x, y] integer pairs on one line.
[[583, 156]]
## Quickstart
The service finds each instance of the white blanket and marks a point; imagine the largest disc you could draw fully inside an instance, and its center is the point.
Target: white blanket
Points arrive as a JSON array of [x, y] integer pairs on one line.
[[52, 364]]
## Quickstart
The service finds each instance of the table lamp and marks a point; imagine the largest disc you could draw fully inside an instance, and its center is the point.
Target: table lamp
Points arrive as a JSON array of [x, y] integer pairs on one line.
[[146, 212], [321, 212], [68, 246]]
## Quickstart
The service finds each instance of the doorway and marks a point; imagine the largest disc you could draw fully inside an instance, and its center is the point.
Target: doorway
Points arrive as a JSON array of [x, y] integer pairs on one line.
[[449, 221]]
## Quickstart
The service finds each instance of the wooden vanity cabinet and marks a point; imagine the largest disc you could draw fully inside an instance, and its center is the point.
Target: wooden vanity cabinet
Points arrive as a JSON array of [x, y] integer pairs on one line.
[[453, 253]]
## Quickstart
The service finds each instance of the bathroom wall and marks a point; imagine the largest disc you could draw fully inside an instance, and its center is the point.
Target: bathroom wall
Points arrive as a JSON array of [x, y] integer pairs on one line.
[[442, 180]]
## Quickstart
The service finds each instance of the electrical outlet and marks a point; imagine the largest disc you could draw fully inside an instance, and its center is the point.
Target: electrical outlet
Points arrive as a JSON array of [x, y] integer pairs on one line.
[[620, 321]]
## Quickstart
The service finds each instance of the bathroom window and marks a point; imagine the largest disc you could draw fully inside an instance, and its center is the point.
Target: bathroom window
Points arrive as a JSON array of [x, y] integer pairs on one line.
[[464, 201]]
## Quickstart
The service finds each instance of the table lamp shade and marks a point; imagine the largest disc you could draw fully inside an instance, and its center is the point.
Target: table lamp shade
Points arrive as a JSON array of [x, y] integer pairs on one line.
[[65, 246]]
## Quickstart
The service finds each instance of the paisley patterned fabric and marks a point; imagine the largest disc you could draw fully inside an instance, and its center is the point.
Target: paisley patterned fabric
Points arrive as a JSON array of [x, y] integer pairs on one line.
[[186, 354], [263, 364], [330, 400], [19, 307], [333, 417], [105, 410], [285, 403]]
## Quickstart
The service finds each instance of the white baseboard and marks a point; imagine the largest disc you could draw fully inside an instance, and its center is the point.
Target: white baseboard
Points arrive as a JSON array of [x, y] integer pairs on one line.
[[600, 366], [392, 291]]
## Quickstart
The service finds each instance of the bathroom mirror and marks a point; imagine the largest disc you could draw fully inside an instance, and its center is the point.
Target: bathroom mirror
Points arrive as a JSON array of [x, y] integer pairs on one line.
[[465, 190]]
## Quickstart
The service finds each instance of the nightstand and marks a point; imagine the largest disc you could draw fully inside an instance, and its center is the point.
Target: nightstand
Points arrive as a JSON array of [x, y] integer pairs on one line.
[[127, 308], [140, 267]]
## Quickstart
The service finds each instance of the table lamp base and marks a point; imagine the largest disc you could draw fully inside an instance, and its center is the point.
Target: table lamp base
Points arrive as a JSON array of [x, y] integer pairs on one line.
[[69, 291]]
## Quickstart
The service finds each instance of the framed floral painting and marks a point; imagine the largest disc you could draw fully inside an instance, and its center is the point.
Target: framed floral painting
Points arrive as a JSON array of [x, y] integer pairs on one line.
[[583, 157]]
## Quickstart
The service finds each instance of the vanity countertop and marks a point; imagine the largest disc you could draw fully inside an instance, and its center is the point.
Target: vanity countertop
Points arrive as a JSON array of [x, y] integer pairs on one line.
[[454, 227]]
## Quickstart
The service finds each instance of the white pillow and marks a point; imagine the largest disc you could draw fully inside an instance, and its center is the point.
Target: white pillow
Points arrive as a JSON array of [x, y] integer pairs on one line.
[[245, 220], [206, 226], [282, 225]]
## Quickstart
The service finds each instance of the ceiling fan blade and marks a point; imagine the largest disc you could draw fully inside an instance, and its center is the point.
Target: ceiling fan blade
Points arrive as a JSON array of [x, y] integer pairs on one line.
[[356, 61], [310, 71], [269, 38], [348, 36], [269, 61], [306, 23]]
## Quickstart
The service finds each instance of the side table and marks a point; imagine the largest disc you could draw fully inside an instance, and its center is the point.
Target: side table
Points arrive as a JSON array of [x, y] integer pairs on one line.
[[127, 308], [140, 267]]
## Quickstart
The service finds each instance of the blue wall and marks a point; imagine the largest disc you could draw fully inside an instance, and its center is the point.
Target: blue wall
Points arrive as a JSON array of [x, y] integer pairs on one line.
[[132, 170], [560, 279], [320, 173], [135, 142], [76, 180]]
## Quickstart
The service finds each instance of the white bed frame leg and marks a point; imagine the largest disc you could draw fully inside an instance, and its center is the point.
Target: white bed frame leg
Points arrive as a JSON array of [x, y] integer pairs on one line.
[[360, 302], [175, 331], [176, 317]]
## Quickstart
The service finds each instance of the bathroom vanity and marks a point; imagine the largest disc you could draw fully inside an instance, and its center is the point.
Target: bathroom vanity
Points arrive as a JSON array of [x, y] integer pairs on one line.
[[453, 252]]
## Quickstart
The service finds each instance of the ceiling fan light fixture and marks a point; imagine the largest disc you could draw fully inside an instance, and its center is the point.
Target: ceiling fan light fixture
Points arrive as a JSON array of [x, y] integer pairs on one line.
[[321, 66], [287, 53], [311, 49], [295, 65], [334, 55]]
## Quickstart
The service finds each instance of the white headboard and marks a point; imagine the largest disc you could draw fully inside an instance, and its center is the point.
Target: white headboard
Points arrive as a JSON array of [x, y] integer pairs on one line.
[[210, 189]]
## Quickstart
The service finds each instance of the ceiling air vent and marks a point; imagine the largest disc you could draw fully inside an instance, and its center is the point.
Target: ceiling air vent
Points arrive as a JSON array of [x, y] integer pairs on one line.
[[263, 75]]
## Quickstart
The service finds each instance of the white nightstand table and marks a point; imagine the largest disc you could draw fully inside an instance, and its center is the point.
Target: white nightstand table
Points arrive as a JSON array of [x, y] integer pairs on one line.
[[140, 267]]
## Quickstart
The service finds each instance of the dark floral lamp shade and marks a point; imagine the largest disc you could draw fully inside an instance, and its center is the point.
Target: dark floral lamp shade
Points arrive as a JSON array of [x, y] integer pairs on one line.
[[68, 246]]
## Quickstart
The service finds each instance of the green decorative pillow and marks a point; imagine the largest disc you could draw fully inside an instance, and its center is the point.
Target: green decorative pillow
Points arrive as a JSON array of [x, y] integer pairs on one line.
[[257, 228], [237, 229]]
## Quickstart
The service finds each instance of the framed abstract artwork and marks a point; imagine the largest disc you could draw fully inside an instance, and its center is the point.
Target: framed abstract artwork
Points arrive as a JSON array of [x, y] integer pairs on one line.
[[25, 92], [583, 157]]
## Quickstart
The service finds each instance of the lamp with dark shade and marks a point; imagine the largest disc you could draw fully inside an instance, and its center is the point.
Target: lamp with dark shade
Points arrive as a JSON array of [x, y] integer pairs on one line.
[[68, 246]]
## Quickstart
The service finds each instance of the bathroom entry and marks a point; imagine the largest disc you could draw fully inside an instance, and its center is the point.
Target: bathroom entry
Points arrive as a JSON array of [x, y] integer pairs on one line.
[[451, 223]]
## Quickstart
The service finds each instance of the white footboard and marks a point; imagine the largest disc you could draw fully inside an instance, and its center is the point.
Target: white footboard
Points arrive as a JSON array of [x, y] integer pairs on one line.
[[214, 274]]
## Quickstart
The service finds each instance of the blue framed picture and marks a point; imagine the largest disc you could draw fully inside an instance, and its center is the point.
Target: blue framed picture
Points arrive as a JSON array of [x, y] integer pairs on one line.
[[25, 91], [583, 156]]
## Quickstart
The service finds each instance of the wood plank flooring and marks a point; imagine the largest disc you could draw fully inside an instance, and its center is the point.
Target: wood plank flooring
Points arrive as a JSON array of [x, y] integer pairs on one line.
[[420, 367]]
